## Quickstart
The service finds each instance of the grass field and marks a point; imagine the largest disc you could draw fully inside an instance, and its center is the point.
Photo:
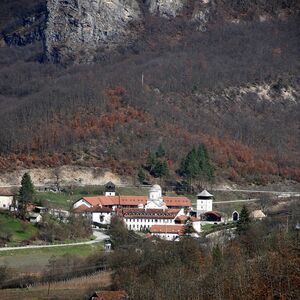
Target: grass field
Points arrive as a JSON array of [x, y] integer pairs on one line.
[[65, 200], [18, 229], [34, 260]]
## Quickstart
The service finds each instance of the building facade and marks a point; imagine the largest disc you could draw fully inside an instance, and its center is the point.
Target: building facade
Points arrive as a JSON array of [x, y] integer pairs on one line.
[[6, 202], [204, 202], [139, 213]]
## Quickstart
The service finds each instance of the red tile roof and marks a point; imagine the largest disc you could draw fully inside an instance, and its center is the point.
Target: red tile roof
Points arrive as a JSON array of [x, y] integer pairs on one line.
[[177, 201], [135, 200], [177, 229], [214, 213], [83, 208], [183, 218], [80, 209], [149, 213], [4, 191], [109, 295]]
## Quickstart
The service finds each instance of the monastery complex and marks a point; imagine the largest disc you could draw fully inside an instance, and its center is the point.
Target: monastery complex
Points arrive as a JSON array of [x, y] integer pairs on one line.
[[162, 216]]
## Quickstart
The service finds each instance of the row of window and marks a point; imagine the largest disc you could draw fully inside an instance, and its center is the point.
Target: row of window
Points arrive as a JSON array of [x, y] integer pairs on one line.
[[138, 227], [150, 220], [165, 235], [151, 214]]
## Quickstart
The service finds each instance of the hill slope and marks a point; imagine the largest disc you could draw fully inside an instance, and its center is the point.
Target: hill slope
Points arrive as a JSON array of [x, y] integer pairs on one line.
[[233, 85]]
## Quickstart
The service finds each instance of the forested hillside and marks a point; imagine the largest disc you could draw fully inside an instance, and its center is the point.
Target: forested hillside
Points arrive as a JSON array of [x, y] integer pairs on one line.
[[233, 86]]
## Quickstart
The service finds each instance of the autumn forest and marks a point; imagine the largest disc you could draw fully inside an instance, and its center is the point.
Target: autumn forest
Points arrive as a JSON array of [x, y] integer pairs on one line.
[[233, 89]]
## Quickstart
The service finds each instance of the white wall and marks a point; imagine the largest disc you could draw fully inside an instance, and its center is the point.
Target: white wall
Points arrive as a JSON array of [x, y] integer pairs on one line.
[[203, 206], [110, 194], [155, 194], [96, 217], [6, 202], [197, 226], [166, 236], [81, 202], [138, 223]]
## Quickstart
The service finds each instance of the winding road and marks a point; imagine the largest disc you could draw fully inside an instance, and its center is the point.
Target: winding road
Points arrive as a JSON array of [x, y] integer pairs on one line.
[[100, 236]]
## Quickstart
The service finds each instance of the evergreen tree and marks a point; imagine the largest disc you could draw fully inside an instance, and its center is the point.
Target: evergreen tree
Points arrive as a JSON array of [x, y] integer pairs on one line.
[[26, 193], [197, 166], [141, 176], [160, 152], [160, 169], [157, 164], [244, 221], [151, 162]]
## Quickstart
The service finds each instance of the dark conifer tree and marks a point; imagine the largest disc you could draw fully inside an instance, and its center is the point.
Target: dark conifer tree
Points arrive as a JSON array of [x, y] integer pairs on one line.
[[160, 151], [244, 221], [26, 193], [141, 176]]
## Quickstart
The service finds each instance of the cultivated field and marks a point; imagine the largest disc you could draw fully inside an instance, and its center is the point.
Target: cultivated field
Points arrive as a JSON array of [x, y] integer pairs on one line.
[[77, 288], [35, 260]]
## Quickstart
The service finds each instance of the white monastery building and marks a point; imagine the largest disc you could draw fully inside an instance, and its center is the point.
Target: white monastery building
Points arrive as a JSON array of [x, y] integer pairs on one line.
[[162, 216], [138, 212]]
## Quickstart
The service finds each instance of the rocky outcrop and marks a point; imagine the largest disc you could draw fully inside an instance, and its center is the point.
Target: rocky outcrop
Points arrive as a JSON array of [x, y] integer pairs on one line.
[[29, 28], [65, 175], [166, 8], [77, 28]]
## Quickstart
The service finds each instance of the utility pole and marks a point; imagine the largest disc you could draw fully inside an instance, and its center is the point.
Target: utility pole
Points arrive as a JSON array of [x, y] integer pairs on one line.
[[142, 79]]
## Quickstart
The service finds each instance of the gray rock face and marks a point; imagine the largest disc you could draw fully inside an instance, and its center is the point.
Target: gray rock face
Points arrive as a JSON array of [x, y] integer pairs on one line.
[[28, 29], [77, 28], [166, 8]]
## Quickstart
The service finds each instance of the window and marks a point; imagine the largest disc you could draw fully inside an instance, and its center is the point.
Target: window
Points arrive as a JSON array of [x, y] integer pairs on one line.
[[101, 218], [155, 220]]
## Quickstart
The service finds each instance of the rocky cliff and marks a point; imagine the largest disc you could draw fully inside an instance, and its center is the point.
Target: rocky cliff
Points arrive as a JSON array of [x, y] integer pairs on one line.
[[76, 29], [166, 8]]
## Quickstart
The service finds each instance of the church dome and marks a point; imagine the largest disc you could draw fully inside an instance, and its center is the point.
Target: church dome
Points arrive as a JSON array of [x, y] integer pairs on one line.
[[155, 187], [155, 192]]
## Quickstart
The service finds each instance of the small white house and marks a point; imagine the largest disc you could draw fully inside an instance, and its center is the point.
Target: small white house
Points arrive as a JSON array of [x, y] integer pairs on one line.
[[167, 232], [101, 215], [6, 202], [35, 218], [257, 215]]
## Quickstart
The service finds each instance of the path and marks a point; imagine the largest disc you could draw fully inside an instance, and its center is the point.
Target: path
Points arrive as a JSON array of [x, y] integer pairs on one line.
[[233, 201], [100, 236], [257, 191]]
